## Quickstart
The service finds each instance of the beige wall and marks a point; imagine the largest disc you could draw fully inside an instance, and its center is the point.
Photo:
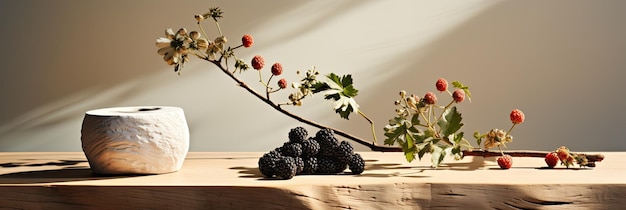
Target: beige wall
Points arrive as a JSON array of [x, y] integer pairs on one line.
[[561, 62]]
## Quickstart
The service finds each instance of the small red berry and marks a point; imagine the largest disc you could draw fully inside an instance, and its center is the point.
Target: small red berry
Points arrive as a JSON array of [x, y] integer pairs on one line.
[[505, 162], [552, 159], [458, 95], [247, 40], [282, 83], [441, 84], [277, 69], [258, 62], [430, 98], [517, 116]]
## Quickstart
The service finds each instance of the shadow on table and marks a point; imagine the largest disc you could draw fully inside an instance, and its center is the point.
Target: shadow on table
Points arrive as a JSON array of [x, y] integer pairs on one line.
[[248, 172], [253, 172], [71, 172], [58, 163], [475, 164]]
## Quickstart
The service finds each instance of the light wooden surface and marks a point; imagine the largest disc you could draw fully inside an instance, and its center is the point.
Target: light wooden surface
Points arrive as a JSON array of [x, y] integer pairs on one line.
[[232, 181]]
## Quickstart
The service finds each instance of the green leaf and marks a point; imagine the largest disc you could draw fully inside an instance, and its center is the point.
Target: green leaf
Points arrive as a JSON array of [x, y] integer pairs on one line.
[[346, 80], [458, 137], [459, 85], [479, 137], [319, 87], [409, 153], [341, 90], [345, 113], [451, 121], [394, 130], [424, 148], [348, 88], [409, 141], [456, 150], [420, 138], [437, 156], [415, 120]]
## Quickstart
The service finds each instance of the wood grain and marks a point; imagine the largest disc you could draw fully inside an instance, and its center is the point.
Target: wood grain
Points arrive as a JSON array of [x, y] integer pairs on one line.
[[232, 181]]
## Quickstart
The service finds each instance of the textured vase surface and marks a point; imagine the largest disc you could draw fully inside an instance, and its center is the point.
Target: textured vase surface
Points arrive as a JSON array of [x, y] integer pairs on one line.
[[135, 140]]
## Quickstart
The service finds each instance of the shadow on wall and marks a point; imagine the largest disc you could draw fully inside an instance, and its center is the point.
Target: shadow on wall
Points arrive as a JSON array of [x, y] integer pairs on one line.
[[557, 62], [560, 63], [92, 55]]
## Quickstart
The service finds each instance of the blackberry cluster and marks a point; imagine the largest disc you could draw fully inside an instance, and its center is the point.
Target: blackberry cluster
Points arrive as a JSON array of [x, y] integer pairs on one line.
[[322, 154]]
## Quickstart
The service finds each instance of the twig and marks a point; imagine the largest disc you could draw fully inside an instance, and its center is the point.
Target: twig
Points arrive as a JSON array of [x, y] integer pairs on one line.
[[277, 107], [591, 158]]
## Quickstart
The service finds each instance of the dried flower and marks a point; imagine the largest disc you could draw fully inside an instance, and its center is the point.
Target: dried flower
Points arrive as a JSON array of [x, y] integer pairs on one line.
[[296, 98], [241, 65], [497, 137], [214, 13], [199, 17], [175, 47]]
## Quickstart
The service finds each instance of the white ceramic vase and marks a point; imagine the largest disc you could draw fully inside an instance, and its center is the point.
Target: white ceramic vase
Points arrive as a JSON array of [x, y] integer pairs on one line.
[[135, 140]]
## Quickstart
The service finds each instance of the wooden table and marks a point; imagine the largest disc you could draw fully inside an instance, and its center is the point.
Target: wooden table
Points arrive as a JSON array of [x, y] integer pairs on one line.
[[211, 180]]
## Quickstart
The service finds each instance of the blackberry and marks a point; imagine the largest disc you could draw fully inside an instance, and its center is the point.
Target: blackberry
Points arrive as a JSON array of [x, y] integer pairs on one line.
[[340, 167], [286, 168], [267, 163], [310, 147], [330, 166], [326, 166], [274, 153], [299, 164], [297, 135], [344, 152], [310, 165], [327, 142], [357, 164], [291, 149]]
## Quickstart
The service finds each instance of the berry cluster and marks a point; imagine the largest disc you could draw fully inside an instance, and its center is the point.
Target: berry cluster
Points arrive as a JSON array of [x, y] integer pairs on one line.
[[567, 158], [499, 138], [321, 154]]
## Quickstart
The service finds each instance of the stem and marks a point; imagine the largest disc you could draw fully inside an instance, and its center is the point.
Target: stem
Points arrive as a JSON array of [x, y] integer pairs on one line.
[[267, 87], [372, 125], [419, 112], [261, 79], [218, 28], [509, 131], [202, 30], [444, 110]]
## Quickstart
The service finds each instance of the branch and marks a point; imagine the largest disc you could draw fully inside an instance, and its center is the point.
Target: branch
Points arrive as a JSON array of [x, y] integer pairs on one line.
[[277, 107], [591, 158]]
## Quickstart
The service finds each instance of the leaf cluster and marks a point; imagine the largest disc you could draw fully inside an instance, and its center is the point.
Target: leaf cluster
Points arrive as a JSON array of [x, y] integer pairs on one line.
[[418, 130], [341, 90]]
